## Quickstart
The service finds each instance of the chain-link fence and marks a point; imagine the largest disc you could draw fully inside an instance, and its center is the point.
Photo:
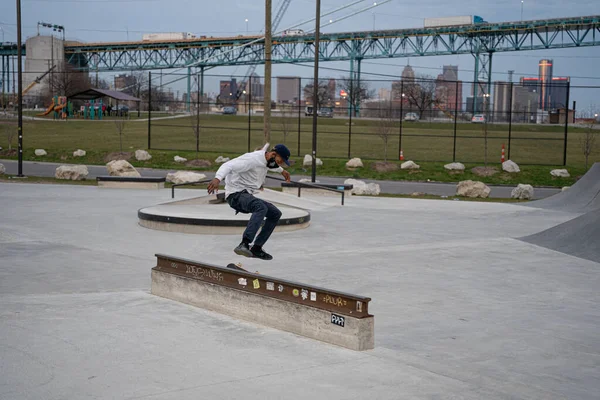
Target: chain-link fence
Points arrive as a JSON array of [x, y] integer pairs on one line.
[[423, 119]]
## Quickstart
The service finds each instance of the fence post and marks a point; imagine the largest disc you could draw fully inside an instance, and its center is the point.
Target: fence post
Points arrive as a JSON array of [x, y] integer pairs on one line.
[[455, 119], [299, 111], [566, 123], [401, 120], [149, 107], [249, 110], [510, 106], [198, 116]]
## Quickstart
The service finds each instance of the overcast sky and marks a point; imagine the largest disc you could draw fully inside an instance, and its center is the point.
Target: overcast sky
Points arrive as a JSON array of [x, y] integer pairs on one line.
[[120, 20]]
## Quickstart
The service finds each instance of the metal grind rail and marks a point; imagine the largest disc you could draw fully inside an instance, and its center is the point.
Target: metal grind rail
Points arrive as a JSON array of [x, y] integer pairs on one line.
[[311, 185], [294, 292]]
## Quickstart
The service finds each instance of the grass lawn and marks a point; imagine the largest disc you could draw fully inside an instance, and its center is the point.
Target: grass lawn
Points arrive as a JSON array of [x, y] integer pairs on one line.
[[431, 145]]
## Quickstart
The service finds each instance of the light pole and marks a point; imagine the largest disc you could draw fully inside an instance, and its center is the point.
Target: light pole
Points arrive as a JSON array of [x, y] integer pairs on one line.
[[20, 89], [246, 25], [315, 90], [521, 10], [2, 34]]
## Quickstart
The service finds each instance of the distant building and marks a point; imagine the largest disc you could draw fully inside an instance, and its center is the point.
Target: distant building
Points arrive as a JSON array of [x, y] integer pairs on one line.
[[501, 101], [448, 89], [384, 94], [255, 88], [545, 87], [558, 93], [288, 89], [228, 91], [124, 81]]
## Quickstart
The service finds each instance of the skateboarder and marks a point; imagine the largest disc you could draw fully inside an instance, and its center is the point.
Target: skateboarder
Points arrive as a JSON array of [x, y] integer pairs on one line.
[[244, 176]]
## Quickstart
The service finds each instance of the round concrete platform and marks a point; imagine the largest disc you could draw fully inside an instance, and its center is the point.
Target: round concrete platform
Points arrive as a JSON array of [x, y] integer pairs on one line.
[[199, 216]]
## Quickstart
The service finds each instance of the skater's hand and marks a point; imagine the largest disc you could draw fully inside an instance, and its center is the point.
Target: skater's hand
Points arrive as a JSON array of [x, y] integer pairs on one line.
[[286, 175], [213, 186]]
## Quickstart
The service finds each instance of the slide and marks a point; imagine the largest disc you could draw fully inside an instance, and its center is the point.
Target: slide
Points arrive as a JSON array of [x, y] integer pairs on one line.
[[48, 111]]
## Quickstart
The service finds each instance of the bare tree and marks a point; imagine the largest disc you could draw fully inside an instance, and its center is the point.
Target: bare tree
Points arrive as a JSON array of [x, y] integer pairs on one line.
[[587, 142], [68, 81], [385, 127], [421, 94], [10, 128], [323, 95], [287, 123], [356, 91], [120, 124]]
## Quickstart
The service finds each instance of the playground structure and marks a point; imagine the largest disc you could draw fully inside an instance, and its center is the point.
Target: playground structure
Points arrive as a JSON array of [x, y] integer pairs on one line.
[[92, 109], [62, 108]]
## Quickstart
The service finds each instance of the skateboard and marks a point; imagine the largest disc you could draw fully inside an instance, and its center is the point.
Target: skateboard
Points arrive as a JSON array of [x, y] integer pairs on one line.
[[238, 266]]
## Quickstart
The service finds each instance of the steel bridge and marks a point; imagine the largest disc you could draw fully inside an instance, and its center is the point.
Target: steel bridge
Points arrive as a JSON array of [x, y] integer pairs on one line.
[[479, 40]]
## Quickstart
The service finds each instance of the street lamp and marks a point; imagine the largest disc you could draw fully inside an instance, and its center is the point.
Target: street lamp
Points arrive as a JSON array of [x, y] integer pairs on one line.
[[246, 25], [2, 34], [521, 10]]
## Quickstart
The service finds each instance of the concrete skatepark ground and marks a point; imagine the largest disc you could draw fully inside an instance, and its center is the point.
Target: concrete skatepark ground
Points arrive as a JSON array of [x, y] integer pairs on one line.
[[463, 308]]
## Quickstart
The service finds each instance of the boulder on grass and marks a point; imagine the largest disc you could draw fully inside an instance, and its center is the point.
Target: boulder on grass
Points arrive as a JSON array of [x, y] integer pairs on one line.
[[79, 153], [522, 192], [409, 165], [473, 189], [71, 172], [184, 177], [308, 161], [510, 167], [221, 160], [142, 155], [179, 159], [122, 168], [40, 152], [560, 173], [354, 163], [363, 188], [455, 166]]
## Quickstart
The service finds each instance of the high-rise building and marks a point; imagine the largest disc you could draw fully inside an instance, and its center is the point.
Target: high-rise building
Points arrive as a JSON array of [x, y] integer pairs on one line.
[[255, 88], [287, 89], [124, 81], [384, 94], [448, 89], [545, 81], [524, 102], [408, 74], [501, 101], [558, 93], [228, 91]]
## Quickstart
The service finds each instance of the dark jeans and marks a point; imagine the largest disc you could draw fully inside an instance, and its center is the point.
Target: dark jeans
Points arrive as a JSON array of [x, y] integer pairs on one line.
[[245, 203]]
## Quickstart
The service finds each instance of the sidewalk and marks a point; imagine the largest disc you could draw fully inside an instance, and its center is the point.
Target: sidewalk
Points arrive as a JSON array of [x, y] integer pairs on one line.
[[44, 169]]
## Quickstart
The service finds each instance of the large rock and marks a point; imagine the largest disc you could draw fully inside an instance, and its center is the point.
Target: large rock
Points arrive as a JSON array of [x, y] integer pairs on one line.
[[142, 155], [409, 165], [221, 160], [184, 177], [354, 163], [560, 173], [179, 159], [308, 161], [455, 166], [2, 169], [71, 172], [522, 192], [79, 153], [472, 189], [121, 168], [510, 166], [40, 152], [565, 188], [363, 188]]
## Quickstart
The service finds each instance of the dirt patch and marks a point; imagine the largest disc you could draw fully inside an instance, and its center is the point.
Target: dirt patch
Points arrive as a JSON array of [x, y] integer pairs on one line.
[[414, 171], [456, 172], [64, 158], [198, 163], [117, 156], [381, 166], [484, 171], [8, 153]]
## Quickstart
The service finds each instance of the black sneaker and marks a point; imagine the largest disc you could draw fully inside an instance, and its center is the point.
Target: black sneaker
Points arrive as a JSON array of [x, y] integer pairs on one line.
[[258, 252], [243, 250]]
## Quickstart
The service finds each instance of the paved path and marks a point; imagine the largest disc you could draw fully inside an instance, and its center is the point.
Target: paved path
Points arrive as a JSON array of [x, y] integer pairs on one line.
[[391, 187]]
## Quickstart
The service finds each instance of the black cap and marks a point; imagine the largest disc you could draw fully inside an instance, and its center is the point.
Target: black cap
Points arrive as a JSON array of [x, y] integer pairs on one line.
[[283, 152]]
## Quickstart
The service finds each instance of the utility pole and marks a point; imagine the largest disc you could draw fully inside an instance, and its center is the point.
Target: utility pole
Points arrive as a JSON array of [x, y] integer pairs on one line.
[[316, 92], [20, 89], [267, 97]]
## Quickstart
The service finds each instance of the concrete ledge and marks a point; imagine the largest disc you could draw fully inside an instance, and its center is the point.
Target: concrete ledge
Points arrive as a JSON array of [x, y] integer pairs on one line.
[[129, 182], [214, 288]]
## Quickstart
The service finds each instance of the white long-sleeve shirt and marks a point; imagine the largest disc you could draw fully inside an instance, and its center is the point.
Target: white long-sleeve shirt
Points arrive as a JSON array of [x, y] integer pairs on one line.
[[246, 172]]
